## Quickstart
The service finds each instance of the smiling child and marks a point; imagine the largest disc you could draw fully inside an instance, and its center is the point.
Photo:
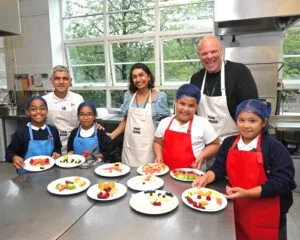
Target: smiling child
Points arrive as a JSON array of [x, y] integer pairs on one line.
[[36, 138]]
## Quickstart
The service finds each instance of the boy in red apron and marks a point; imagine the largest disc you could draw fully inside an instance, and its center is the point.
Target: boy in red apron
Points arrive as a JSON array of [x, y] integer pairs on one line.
[[260, 173], [185, 140]]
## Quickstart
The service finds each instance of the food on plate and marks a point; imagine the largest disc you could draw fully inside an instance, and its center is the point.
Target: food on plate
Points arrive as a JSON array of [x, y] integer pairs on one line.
[[152, 168], [158, 198], [39, 162], [204, 199], [70, 159], [107, 189], [70, 184], [115, 167], [185, 175], [146, 178]]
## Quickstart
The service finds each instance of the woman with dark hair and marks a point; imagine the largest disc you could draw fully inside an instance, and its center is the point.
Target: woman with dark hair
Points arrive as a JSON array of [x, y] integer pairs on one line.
[[86, 137], [36, 138], [143, 107]]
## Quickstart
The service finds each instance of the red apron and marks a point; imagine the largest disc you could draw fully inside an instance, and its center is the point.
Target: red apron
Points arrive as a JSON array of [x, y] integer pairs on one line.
[[177, 148], [255, 218]]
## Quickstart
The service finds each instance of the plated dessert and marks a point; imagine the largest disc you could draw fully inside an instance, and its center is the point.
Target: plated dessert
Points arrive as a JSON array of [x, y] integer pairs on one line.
[[112, 169], [145, 182], [186, 174], [106, 191], [70, 161], [153, 169], [68, 185], [39, 163], [154, 202], [204, 199]]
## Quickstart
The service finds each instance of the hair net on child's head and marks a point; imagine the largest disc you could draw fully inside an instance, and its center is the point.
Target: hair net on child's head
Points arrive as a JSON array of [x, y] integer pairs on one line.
[[258, 107], [91, 105], [188, 90], [31, 99]]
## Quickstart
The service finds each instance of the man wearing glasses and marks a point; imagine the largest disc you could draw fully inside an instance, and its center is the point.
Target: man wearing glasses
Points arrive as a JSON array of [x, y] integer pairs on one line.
[[62, 104]]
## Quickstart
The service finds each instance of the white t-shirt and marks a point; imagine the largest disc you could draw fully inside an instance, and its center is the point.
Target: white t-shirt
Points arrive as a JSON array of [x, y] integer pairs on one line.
[[202, 131]]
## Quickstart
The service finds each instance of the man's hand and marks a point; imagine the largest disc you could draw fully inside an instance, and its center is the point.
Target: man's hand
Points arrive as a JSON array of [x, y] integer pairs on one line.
[[18, 162]]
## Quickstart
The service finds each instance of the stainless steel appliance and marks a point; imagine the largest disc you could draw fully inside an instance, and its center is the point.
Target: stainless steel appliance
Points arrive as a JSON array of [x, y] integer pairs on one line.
[[254, 16]]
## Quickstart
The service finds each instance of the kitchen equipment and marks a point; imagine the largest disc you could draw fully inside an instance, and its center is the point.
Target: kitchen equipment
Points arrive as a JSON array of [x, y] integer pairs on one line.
[[8, 109], [291, 145]]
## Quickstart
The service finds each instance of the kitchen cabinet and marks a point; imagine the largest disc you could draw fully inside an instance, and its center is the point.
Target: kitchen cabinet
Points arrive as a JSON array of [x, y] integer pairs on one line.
[[10, 23]]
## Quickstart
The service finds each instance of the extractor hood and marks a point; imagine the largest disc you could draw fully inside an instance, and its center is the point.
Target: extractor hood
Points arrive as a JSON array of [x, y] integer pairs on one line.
[[254, 16], [10, 23]]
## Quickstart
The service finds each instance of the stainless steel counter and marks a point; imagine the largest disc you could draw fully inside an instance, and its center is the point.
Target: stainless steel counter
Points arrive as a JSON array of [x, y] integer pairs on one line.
[[29, 211]]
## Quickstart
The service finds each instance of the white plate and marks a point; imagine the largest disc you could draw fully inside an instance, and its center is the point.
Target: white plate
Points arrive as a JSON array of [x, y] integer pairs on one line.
[[161, 172], [212, 206], [68, 164], [187, 170], [145, 182], [142, 202], [93, 191], [52, 186], [32, 168], [104, 171]]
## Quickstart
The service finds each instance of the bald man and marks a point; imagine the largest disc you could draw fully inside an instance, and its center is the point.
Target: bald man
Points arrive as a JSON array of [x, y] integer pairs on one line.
[[223, 85]]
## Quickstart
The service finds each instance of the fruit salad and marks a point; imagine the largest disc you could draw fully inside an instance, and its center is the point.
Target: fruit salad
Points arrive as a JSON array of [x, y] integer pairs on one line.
[[107, 189], [204, 199], [39, 162], [185, 175], [115, 167], [70, 184], [152, 168], [69, 159], [158, 198]]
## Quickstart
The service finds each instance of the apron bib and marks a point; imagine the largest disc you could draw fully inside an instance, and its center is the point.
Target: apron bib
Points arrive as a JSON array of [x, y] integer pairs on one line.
[[138, 136], [214, 108], [177, 148], [256, 218], [38, 147], [65, 122], [81, 144]]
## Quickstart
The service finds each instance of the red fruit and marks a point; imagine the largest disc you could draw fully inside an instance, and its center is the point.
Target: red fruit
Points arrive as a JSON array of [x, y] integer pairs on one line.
[[47, 161], [106, 195], [208, 198], [199, 196], [85, 153], [219, 201], [31, 161], [195, 204], [100, 195]]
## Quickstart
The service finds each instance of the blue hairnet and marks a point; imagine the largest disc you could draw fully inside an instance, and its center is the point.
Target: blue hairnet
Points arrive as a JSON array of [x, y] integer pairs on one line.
[[258, 107], [188, 90], [29, 101], [87, 104]]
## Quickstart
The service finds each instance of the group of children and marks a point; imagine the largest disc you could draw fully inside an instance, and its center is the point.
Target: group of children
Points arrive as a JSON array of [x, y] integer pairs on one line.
[[259, 168]]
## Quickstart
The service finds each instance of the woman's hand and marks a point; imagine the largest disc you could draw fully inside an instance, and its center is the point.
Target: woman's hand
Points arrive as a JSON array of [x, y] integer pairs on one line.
[[198, 162], [202, 181], [158, 160], [18, 162]]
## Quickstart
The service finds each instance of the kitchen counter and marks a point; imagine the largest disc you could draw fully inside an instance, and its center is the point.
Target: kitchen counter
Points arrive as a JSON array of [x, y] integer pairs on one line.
[[29, 211]]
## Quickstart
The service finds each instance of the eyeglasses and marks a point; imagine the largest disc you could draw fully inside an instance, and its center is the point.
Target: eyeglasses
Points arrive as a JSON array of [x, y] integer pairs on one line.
[[34, 109], [86, 115], [65, 79]]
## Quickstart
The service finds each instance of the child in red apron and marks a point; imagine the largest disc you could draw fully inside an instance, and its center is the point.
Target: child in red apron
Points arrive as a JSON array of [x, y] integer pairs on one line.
[[185, 140], [260, 173]]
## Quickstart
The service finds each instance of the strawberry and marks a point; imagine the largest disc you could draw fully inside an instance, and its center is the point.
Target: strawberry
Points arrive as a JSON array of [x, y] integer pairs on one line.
[[208, 198]]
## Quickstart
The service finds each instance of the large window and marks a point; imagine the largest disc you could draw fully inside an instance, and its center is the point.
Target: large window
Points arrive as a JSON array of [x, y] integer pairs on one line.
[[3, 79], [102, 40]]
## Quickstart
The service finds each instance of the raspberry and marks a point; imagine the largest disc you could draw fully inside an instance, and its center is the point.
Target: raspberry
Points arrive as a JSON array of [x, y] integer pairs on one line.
[[199, 196], [195, 204], [100, 195], [208, 198], [106, 195]]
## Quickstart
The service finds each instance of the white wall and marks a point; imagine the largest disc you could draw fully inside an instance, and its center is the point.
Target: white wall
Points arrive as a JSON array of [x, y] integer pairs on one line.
[[31, 52]]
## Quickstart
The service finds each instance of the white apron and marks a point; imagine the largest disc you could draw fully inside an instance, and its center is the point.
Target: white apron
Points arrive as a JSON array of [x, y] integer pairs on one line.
[[65, 121], [138, 136], [215, 109]]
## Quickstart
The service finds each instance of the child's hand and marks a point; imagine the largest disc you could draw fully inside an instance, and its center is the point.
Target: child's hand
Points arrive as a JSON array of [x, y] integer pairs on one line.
[[200, 181], [18, 162], [56, 155], [235, 193]]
